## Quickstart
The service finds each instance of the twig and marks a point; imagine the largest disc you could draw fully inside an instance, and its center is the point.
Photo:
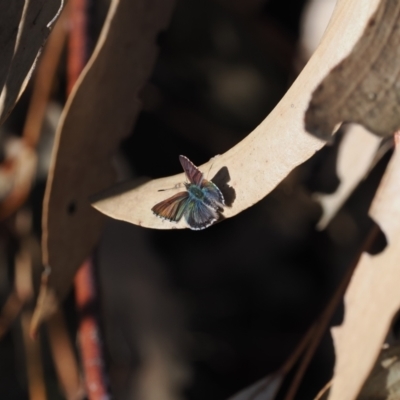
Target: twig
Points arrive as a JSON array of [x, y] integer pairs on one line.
[[34, 364], [323, 391], [77, 43], [288, 364], [299, 349], [85, 286]]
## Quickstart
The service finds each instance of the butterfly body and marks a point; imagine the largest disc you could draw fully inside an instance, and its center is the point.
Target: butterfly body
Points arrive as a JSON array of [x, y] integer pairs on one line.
[[199, 204]]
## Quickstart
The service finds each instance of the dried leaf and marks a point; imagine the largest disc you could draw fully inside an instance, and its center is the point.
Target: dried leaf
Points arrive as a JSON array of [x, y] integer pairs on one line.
[[11, 13], [373, 297], [256, 165], [21, 43], [43, 80], [364, 87], [99, 113], [356, 153]]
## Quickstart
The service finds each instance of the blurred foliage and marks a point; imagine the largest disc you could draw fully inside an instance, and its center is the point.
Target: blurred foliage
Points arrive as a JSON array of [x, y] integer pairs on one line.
[[224, 308]]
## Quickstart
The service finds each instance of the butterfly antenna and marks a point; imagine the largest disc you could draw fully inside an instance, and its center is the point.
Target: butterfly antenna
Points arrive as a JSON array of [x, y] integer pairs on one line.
[[177, 186]]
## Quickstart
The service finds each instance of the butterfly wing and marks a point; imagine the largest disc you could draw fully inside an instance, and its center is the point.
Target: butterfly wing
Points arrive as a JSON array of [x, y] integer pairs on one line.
[[192, 172], [172, 208], [199, 216], [212, 194]]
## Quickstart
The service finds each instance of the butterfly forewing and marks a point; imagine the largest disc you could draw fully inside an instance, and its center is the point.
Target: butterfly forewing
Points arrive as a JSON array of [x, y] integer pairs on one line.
[[172, 208], [192, 172]]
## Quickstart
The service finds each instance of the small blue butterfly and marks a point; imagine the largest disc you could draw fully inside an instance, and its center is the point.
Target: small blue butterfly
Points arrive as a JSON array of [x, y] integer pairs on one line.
[[199, 204]]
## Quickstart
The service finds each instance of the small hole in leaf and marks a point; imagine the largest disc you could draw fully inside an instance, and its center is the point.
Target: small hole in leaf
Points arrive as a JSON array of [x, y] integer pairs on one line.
[[71, 209]]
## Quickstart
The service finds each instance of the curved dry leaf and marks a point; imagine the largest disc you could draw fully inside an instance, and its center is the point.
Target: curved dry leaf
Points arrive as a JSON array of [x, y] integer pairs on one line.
[[101, 111], [356, 154], [256, 165], [11, 13], [364, 87], [44, 79], [27, 25], [373, 297]]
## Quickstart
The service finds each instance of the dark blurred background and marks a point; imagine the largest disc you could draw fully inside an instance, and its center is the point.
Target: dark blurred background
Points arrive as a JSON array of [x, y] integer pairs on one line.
[[201, 315]]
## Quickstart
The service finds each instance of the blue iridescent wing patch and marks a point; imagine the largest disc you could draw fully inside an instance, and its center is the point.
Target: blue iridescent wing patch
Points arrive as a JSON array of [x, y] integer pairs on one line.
[[199, 205], [199, 216], [213, 194]]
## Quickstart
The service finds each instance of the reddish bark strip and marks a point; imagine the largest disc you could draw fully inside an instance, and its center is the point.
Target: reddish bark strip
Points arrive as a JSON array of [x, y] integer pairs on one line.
[[89, 337]]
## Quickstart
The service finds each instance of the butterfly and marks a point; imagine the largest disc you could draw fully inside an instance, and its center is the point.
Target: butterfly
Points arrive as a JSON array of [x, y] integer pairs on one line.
[[199, 204]]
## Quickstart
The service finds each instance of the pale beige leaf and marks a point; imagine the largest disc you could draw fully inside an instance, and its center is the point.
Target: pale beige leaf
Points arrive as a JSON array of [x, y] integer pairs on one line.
[[356, 154], [373, 296], [256, 165]]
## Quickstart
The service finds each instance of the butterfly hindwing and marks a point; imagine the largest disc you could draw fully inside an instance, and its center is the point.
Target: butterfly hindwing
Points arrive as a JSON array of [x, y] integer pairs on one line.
[[212, 194], [194, 175], [198, 215], [172, 208]]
